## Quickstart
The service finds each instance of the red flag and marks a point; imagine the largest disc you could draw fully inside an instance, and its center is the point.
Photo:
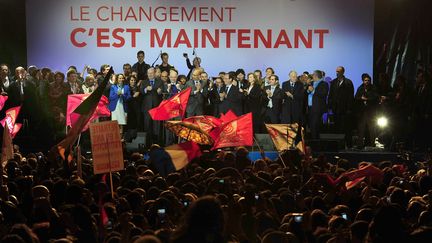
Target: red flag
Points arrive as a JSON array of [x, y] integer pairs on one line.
[[206, 123], [228, 117], [83, 113], [172, 107], [3, 99], [238, 132], [374, 173], [6, 151], [9, 120], [75, 100], [353, 183]]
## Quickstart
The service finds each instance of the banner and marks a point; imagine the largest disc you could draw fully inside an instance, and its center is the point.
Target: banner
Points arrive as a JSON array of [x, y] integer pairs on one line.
[[106, 146], [227, 34]]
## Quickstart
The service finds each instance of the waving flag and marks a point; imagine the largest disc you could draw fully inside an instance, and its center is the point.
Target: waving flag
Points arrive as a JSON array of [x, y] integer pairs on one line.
[[175, 157], [285, 136], [80, 118], [10, 119], [228, 117], [75, 100], [238, 132], [172, 107], [3, 99]]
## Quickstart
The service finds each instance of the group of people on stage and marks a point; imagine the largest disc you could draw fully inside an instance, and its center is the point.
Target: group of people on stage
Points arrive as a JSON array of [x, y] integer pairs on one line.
[[304, 98]]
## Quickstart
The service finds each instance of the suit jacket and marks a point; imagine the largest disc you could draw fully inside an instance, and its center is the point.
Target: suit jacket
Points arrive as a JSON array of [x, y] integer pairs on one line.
[[196, 99], [253, 101], [292, 107], [233, 101], [319, 98], [276, 99], [215, 102], [151, 99], [69, 88], [114, 97], [29, 101], [341, 97], [422, 102], [371, 94], [141, 70]]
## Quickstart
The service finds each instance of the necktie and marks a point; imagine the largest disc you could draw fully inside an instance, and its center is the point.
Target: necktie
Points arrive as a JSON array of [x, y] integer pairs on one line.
[[226, 89], [152, 82], [292, 85], [270, 103]]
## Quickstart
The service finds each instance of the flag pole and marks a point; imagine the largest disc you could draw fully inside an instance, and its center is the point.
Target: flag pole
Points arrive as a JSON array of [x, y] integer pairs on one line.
[[110, 172], [259, 147], [79, 161], [79, 140]]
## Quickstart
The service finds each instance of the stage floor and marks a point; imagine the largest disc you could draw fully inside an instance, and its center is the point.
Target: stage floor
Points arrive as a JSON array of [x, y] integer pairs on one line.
[[353, 156]]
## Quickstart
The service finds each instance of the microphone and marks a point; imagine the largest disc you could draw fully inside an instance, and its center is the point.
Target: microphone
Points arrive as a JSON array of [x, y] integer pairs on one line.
[[157, 58]]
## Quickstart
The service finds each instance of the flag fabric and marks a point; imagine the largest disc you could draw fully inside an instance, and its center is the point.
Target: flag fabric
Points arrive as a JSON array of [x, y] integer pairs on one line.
[[286, 136], [369, 170], [3, 99], [174, 157], [10, 120], [206, 123], [74, 100], [6, 151], [80, 118], [238, 132], [172, 107], [354, 183], [228, 117]]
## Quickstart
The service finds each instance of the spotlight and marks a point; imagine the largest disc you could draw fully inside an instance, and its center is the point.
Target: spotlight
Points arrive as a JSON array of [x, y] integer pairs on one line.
[[382, 122]]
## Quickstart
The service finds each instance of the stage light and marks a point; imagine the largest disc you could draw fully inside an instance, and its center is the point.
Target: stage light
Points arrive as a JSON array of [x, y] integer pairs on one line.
[[382, 122]]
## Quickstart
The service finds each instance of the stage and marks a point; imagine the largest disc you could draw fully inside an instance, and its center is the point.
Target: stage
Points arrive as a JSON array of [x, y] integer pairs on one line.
[[353, 156]]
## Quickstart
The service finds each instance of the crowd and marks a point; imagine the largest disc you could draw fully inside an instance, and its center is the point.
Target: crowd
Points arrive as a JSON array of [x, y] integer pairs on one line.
[[218, 197], [304, 98]]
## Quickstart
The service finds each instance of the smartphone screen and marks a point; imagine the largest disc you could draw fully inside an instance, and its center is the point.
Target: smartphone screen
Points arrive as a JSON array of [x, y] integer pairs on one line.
[[344, 216]]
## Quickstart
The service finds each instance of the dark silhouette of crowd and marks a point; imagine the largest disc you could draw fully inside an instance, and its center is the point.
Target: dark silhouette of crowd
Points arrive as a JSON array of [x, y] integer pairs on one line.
[[218, 197]]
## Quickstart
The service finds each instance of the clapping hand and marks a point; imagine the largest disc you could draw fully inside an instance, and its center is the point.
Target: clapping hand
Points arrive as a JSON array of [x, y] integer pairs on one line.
[[269, 93]]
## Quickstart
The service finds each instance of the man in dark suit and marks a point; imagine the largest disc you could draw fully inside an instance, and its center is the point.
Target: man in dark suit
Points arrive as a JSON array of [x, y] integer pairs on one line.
[[151, 91], [341, 102], [292, 104], [73, 84], [274, 100], [5, 79], [141, 67], [422, 111], [215, 92], [23, 92], [317, 102], [367, 100], [198, 96], [231, 97], [165, 66]]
